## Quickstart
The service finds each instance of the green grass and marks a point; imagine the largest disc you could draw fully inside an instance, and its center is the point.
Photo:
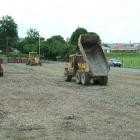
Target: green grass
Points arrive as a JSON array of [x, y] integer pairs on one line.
[[129, 60]]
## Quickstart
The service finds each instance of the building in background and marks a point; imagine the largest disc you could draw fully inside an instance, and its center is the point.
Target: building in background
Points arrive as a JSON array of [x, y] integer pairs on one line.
[[125, 48]]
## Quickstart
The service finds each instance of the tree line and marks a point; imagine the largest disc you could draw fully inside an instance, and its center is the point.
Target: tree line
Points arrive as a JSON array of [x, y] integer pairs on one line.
[[51, 48]]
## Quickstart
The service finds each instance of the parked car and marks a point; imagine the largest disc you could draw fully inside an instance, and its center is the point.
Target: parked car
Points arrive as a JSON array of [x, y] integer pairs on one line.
[[114, 62]]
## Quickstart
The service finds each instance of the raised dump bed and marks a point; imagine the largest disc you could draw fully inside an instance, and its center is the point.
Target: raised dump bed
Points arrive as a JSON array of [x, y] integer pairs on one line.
[[93, 55]]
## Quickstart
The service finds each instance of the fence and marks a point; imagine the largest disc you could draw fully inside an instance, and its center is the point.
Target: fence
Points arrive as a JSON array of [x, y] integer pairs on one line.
[[14, 60], [131, 63]]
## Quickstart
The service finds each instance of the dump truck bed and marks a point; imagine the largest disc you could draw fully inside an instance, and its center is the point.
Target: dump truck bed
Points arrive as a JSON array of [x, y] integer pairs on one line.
[[93, 55]]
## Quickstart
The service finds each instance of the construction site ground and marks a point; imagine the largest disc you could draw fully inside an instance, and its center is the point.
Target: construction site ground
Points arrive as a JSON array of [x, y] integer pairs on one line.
[[37, 104]]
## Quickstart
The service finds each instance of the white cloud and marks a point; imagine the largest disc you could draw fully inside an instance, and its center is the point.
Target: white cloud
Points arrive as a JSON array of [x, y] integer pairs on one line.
[[113, 20]]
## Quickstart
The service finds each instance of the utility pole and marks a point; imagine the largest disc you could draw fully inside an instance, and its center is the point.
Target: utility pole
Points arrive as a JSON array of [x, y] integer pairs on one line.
[[130, 43]]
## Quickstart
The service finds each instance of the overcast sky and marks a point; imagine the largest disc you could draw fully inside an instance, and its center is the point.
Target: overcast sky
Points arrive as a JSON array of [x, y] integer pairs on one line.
[[113, 20]]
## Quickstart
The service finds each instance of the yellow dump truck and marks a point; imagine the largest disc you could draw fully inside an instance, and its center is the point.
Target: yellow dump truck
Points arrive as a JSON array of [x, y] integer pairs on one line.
[[90, 65]]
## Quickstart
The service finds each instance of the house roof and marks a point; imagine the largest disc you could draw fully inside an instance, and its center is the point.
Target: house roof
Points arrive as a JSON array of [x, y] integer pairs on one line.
[[121, 47], [105, 48]]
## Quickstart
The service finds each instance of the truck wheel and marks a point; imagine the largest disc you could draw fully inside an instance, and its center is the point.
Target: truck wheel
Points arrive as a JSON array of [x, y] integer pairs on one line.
[[67, 77], [103, 80], [85, 78], [78, 77], [96, 82], [40, 64]]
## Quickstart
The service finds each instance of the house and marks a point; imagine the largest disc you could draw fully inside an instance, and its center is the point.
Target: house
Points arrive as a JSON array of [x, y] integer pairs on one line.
[[106, 49], [123, 48]]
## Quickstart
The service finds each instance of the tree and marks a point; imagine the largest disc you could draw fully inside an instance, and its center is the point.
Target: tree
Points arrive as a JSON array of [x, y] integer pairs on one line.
[[56, 46], [32, 36], [75, 35], [31, 41], [32, 33], [74, 38], [8, 32], [55, 43]]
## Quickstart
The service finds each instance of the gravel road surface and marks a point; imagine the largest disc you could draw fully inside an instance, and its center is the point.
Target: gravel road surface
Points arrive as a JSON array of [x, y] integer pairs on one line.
[[37, 104]]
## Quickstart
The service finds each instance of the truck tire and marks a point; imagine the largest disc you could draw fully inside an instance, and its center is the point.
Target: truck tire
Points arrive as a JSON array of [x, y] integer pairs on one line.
[[67, 77], [96, 82], [103, 80], [85, 78], [78, 77], [40, 64], [1, 74]]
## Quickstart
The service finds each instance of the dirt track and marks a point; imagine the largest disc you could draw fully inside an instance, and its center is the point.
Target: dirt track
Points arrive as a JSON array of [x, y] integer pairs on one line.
[[36, 104]]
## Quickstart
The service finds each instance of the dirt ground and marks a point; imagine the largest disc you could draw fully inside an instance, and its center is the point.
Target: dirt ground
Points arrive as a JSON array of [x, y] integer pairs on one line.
[[37, 104]]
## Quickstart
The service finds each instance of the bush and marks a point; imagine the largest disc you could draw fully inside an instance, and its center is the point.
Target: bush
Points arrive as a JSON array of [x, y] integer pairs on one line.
[[14, 54]]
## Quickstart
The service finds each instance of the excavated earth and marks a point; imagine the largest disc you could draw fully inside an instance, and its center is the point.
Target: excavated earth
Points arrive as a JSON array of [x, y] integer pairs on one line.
[[37, 104]]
